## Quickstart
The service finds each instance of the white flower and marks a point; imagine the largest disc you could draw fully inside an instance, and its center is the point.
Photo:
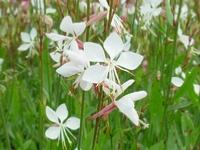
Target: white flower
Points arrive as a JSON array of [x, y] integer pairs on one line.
[[75, 66], [178, 80], [28, 41], [185, 39], [1, 62], [72, 30], [127, 107], [62, 125], [183, 14], [196, 89], [106, 67], [116, 21], [149, 9]]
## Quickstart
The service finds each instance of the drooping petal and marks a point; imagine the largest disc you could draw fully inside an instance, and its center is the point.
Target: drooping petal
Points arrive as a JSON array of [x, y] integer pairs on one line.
[[66, 25], [126, 106], [113, 45], [25, 37], [96, 73], [72, 123], [74, 45], [51, 115], [68, 69], [56, 37], [129, 60], [79, 28], [23, 47], [52, 132], [86, 86], [94, 52], [33, 33], [178, 82], [62, 112], [56, 56]]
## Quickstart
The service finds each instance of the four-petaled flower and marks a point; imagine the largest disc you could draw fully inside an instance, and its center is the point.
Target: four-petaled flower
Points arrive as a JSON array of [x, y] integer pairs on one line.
[[62, 125], [107, 67]]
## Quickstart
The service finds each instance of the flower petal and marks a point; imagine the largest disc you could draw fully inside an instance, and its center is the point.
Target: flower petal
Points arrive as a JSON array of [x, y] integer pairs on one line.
[[68, 69], [178, 82], [135, 96], [123, 87], [104, 3], [78, 57], [25, 37], [86, 86], [52, 132], [126, 106], [24, 47], [79, 28], [56, 37], [72, 123], [56, 56], [95, 74], [51, 115], [129, 60], [113, 45], [94, 52], [66, 25], [33, 33], [62, 112]]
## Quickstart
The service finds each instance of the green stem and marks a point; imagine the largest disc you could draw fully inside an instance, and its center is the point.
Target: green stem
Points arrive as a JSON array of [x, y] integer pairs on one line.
[[82, 120]]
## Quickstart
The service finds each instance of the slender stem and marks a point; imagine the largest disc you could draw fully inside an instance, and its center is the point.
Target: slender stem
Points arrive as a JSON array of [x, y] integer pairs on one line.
[[88, 17], [4, 125], [82, 120]]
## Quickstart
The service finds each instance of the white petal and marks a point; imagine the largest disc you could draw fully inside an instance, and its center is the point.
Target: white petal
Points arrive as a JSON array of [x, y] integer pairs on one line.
[[95, 74], [78, 57], [52, 132], [33, 33], [178, 82], [86, 86], [79, 28], [56, 37], [197, 89], [94, 52], [51, 115], [25, 37], [68, 70], [72, 123], [66, 25], [74, 45], [129, 60], [104, 3], [56, 56], [123, 87], [62, 112], [126, 106], [23, 47], [113, 45], [135, 96]]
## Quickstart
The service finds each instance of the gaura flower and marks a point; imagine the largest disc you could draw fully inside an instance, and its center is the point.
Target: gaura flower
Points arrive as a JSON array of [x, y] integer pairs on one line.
[[185, 39], [106, 68], [150, 9], [178, 80], [76, 65], [62, 125], [72, 30], [125, 104], [28, 42]]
